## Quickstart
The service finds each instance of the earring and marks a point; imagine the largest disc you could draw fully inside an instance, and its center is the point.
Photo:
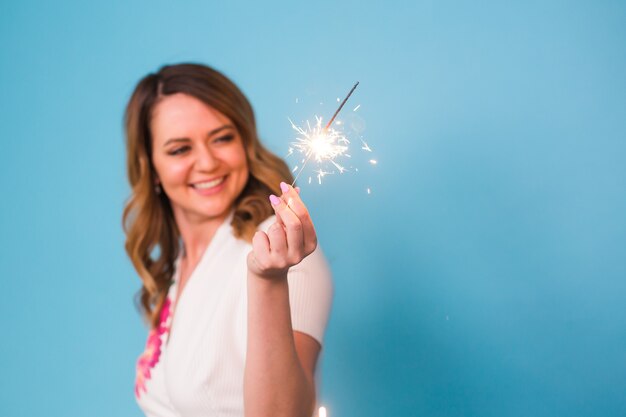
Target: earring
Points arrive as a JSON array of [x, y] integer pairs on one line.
[[157, 188]]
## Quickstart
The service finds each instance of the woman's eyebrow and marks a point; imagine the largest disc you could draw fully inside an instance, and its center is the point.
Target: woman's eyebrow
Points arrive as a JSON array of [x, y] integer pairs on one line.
[[211, 133]]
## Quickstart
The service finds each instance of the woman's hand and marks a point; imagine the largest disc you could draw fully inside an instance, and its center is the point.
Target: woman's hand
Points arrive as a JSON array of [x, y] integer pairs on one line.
[[287, 242]]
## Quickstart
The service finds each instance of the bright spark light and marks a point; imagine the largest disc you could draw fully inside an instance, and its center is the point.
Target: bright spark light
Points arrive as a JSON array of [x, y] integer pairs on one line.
[[320, 144], [322, 412], [325, 145]]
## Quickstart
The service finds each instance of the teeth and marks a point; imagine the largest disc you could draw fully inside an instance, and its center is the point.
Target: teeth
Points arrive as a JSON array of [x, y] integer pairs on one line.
[[209, 184]]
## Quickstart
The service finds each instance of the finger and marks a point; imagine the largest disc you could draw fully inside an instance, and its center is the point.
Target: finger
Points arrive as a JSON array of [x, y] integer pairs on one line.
[[295, 203], [261, 248], [277, 203], [273, 203], [292, 198], [261, 245], [293, 227], [277, 241]]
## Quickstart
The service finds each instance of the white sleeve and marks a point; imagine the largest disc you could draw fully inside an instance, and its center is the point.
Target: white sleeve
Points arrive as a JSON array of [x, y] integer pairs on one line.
[[310, 292], [310, 295]]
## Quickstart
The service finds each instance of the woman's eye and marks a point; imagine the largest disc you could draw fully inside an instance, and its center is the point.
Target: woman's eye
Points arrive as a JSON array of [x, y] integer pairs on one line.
[[225, 138], [178, 150]]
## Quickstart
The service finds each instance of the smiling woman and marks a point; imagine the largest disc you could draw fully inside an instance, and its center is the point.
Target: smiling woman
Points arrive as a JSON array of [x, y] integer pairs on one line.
[[216, 204]]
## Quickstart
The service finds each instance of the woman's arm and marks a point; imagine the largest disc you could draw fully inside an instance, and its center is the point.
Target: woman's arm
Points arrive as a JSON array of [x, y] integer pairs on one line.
[[280, 363]]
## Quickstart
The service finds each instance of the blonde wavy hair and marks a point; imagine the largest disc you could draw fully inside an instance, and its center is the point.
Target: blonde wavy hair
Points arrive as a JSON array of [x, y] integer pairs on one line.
[[147, 220]]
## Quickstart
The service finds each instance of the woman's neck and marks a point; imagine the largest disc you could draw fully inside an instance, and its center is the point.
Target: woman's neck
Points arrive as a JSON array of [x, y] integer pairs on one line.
[[196, 234]]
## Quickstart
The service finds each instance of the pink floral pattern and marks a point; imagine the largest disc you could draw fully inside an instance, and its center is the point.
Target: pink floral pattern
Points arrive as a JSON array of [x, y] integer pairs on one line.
[[150, 357]]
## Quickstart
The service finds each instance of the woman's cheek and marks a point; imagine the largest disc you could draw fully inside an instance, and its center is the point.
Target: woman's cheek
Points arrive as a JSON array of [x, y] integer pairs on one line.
[[179, 171]]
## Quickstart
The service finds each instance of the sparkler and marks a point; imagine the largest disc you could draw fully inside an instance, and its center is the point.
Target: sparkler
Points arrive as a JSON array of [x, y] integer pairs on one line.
[[321, 143]]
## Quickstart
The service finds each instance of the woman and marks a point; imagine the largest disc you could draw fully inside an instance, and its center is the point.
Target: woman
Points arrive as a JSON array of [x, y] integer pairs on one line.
[[235, 289]]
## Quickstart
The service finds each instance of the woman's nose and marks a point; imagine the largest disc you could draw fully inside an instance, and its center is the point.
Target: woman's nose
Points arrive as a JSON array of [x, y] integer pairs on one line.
[[206, 160]]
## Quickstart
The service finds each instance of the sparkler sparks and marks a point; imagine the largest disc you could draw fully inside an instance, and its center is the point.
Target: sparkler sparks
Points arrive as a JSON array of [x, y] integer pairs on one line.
[[328, 146], [321, 143]]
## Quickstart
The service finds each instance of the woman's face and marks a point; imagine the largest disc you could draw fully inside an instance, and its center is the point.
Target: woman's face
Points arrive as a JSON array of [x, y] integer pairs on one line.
[[199, 158]]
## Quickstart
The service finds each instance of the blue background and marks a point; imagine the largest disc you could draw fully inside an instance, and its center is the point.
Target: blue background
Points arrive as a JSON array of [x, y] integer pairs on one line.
[[484, 276]]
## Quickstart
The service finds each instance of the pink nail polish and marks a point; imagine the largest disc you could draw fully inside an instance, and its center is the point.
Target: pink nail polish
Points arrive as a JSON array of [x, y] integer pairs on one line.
[[284, 187], [274, 200], [297, 190]]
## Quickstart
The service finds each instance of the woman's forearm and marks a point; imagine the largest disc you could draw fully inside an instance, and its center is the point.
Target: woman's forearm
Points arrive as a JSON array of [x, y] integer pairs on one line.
[[275, 383]]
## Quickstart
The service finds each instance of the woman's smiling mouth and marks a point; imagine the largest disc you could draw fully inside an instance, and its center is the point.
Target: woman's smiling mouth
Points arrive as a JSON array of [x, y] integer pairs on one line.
[[210, 187]]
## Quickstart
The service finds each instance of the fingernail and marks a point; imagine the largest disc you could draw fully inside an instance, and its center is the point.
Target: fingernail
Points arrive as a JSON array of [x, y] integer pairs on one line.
[[297, 190], [284, 187], [274, 200]]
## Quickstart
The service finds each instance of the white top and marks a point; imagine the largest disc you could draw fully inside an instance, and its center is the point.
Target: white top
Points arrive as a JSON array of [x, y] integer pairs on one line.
[[199, 371]]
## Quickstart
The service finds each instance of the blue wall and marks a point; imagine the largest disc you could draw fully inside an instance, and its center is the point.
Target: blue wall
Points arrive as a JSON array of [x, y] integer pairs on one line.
[[484, 276]]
